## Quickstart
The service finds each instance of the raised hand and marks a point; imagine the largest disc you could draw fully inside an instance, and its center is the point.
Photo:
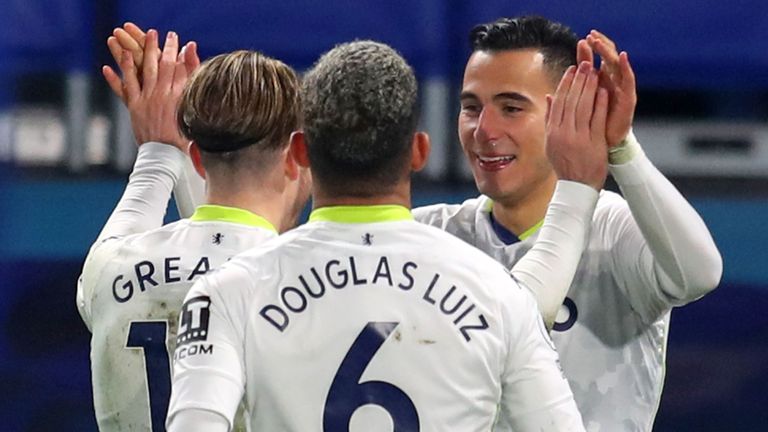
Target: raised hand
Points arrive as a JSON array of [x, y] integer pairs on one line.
[[132, 38], [152, 104], [617, 77], [576, 127]]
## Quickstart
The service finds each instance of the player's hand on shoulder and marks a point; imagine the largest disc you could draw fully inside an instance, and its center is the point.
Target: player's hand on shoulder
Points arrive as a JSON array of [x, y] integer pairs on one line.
[[616, 76], [576, 126]]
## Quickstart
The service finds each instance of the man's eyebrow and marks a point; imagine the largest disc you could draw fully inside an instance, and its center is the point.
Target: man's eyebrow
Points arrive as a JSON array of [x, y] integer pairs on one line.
[[519, 97], [512, 95]]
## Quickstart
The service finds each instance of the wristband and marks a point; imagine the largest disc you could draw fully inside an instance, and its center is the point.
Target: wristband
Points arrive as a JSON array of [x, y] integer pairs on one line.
[[626, 151]]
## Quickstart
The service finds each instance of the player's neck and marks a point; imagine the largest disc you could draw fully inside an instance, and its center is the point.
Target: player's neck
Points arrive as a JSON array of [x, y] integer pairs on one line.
[[400, 195], [519, 215], [265, 203]]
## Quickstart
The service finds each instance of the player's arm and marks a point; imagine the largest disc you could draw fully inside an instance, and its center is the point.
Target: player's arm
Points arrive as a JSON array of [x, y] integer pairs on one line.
[[152, 106], [535, 394], [666, 246], [89, 280], [576, 148], [208, 373], [193, 420], [157, 166], [189, 189]]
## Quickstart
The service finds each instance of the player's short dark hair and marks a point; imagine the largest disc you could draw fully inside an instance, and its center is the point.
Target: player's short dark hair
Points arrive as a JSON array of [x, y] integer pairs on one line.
[[360, 115], [554, 40], [240, 104]]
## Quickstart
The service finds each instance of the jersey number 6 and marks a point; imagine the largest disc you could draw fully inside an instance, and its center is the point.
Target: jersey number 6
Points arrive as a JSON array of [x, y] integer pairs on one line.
[[347, 393]]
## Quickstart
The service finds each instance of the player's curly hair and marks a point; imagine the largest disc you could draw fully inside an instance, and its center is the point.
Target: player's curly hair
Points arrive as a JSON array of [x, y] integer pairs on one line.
[[240, 102], [360, 115], [555, 41]]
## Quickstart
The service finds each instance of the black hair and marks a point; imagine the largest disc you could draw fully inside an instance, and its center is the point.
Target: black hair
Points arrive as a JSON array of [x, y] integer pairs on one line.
[[555, 41]]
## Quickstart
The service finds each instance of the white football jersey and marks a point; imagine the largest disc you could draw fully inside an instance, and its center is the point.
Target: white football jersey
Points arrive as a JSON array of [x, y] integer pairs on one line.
[[364, 320], [611, 331], [130, 293]]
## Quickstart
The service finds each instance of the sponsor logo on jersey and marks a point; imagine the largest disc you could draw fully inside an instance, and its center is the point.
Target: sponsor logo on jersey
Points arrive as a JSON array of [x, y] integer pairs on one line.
[[195, 315]]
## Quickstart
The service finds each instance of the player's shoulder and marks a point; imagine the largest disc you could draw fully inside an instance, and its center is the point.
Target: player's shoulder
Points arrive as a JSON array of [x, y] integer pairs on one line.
[[489, 281], [609, 199], [151, 237], [119, 250], [269, 248], [609, 205], [447, 247], [261, 259], [111, 248], [611, 218], [244, 276], [444, 242], [444, 212], [144, 244]]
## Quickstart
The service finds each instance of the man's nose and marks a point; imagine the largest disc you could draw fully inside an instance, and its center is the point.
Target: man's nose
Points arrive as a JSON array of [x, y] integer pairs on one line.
[[488, 126]]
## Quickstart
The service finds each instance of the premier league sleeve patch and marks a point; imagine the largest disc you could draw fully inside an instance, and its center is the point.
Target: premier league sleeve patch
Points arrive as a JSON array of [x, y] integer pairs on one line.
[[195, 315]]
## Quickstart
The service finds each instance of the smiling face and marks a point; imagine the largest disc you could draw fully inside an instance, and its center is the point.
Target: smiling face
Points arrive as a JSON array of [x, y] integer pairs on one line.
[[502, 123]]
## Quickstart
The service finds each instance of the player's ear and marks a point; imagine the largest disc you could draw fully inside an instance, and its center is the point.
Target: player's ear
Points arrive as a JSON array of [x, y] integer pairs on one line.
[[290, 166], [420, 148], [298, 148], [197, 160], [293, 155]]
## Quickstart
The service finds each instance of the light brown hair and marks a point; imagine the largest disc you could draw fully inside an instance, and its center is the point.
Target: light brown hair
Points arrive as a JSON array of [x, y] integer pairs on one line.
[[240, 102]]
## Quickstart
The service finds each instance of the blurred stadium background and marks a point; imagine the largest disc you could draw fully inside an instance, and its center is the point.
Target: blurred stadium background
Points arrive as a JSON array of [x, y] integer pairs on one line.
[[66, 147]]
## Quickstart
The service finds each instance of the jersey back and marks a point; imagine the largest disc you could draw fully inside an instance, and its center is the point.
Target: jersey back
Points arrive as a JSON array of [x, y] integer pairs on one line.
[[130, 294], [371, 326]]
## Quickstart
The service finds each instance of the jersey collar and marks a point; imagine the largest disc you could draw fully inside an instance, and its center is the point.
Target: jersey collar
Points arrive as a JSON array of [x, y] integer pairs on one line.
[[502, 233], [532, 230], [361, 214], [216, 213], [506, 236]]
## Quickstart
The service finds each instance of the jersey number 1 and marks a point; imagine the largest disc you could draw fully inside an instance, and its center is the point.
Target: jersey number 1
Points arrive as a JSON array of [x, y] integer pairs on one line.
[[151, 335], [347, 393]]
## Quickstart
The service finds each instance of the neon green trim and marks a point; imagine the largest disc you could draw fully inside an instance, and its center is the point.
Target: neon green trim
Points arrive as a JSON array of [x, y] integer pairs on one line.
[[215, 213], [361, 214], [489, 205], [531, 231]]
